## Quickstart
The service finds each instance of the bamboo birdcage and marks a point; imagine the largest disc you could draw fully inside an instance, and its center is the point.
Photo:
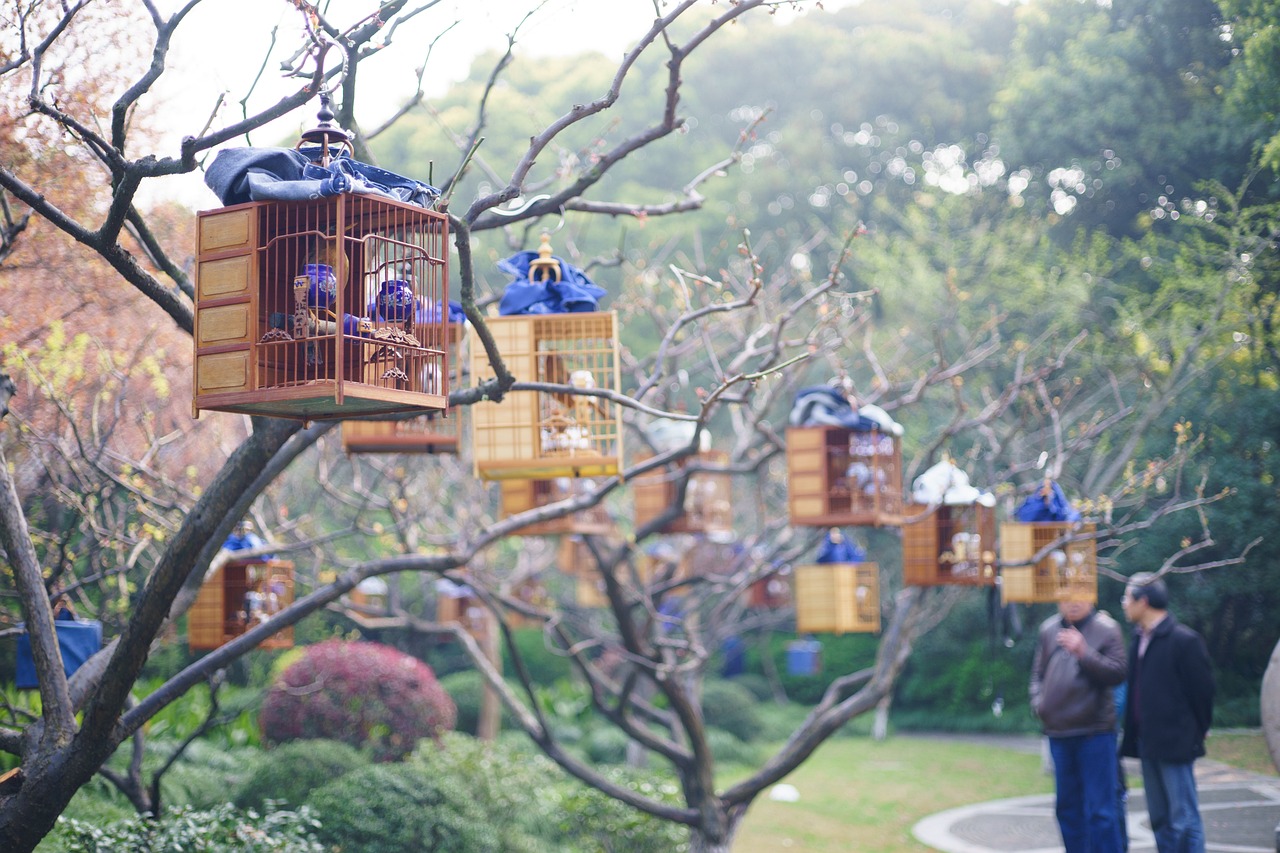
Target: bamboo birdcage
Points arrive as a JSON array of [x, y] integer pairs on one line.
[[951, 545], [837, 598], [842, 477], [235, 598], [521, 495], [1069, 571], [458, 604], [770, 593], [708, 502], [532, 592], [434, 432], [543, 434], [325, 308]]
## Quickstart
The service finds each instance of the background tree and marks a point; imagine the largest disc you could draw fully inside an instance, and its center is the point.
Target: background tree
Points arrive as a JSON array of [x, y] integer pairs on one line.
[[739, 322]]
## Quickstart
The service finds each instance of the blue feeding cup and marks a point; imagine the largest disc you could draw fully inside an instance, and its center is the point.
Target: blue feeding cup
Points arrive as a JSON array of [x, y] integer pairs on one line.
[[323, 289], [396, 302]]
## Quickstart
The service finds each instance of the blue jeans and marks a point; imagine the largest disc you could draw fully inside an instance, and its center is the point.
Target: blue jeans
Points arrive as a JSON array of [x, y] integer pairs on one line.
[[1173, 806], [1084, 771]]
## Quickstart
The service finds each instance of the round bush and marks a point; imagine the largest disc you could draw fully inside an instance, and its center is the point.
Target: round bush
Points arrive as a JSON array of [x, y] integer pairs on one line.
[[291, 772], [756, 684], [730, 706], [365, 694], [727, 749], [606, 745], [392, 808], [466, 689]]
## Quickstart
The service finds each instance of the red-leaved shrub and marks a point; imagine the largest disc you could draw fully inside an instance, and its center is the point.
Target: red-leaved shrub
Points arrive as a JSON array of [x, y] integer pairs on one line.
[[365, 694]]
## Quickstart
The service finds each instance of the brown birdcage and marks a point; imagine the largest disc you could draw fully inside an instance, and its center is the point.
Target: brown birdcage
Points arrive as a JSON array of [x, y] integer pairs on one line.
[[770, 593], [837, 598], [708, 504], [325, 308], [1068, 571], [434, 432], [544, 434], [458, 604], [522, 495], [843, 477], [953, 545], [237, 597], [532, 592]]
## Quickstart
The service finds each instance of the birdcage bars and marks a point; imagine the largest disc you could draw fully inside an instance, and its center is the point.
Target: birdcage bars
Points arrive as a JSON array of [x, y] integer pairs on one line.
[[949, 545], [322, 308], [519, 496], [708, 498], [544, 434], [837, 598], [1068, 571], [237, 597], [843, 477]]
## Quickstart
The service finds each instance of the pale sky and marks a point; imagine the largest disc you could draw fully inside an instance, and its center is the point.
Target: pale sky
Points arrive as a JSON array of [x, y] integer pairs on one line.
[[216, 52]]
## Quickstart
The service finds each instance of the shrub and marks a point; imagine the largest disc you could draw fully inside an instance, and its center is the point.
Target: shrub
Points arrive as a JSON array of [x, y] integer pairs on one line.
[[466, 691], [606, 745], [728, 749], [391, 808], [590, 820], [756, 684], [365, 694], [291, 772], [219, 830], [731, 707]]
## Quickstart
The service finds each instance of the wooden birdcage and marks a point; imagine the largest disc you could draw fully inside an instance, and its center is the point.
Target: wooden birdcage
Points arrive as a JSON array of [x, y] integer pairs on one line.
[[523, 495], [1068, 571], [837, 598], [842, 477], [434, 432], [325, 308], [458, 604], [541, 434], [236, 598], [532, 592], [708, 503], [951, 545], [769, 593]]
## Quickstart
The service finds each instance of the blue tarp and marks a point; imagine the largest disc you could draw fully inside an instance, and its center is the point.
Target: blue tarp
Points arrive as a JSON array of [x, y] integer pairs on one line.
[[77, 640], [1051, 507], [572, 293], [841, 550], [238, 175]]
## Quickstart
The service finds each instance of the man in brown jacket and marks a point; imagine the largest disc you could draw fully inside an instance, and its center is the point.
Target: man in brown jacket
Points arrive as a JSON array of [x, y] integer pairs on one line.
[[1079, 658]]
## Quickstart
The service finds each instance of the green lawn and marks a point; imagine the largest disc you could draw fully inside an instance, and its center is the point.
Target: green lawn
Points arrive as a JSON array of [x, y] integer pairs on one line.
[[856, 794]]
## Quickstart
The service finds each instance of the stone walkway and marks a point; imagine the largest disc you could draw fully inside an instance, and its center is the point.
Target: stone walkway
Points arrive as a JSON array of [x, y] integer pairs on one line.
[[1241, 812]]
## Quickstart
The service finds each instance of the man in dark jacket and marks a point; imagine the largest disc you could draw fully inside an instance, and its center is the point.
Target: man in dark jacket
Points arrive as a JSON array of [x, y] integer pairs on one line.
[[1168, 712], [1079, 659]]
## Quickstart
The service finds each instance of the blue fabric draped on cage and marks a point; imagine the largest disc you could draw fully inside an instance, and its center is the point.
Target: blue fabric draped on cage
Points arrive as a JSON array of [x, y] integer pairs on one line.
[[1048, 503], [78, 640], [238, 175], [837, 548], [572, 292]]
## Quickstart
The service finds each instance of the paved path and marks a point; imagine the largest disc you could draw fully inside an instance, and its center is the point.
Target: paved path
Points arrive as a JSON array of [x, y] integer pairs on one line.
[[1241, 811]]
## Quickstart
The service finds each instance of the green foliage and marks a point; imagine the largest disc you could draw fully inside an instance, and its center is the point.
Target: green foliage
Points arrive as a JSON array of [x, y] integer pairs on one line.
[[466, 689], [589, 820], [289, 773], [605, 745], [391, 808], [730, 749], [545, 668], [756, 684], [219, 830], [365, 694], [186, 714], [729, 706], [199, 779]]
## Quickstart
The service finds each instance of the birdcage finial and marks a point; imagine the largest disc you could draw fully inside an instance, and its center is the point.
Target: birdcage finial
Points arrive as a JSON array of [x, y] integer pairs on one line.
[[544, 267], [326, 133]]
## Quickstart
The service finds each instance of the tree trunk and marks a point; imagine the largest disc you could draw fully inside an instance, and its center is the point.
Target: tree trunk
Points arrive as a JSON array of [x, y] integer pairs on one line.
[[490, 720], [880, 725], [699, 842], [1270, 701]]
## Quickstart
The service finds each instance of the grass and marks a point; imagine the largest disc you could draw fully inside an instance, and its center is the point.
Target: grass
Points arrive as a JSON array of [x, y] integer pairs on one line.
[[1246, 750], [857, 794]]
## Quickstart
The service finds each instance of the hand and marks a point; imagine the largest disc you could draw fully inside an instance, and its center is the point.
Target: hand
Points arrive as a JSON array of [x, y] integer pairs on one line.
[[1073, 641]]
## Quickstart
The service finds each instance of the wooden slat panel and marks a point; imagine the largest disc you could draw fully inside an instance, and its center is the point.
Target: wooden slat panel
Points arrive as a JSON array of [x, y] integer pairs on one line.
[[226, 324], [227, 371]]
